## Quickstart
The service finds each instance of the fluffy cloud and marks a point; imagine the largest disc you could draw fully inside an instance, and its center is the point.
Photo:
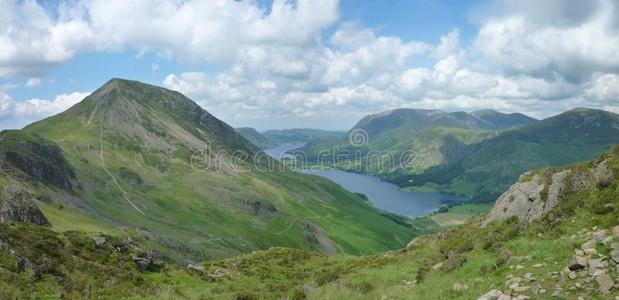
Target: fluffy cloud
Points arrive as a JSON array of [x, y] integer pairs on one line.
[[193, 31], [17, 114], [567, 39], [280, 63]]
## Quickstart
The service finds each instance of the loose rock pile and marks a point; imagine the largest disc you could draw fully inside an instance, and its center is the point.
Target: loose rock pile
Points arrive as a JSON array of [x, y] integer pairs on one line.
[[589, 271]]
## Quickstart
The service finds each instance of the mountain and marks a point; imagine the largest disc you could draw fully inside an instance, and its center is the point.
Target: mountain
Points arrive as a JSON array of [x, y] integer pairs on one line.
[[569, 137], [148, 163], [500, 120], [299, 135], [552, 234], [255, 137], [417, 119], [409, 141]]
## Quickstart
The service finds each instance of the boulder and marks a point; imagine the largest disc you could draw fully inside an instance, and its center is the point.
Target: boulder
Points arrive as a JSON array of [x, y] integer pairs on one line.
[[603, 174], [590, 244], [491, 295], [605, 283], [616, 231], [614, 255], [196, 267], [99, 240], [600, 235], [147, 262], [18, 205], [525, 199], [577, 263]]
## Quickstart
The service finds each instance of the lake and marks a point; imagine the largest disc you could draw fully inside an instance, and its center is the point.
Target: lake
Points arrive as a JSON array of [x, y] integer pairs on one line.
[[388, 196], [279, 152]]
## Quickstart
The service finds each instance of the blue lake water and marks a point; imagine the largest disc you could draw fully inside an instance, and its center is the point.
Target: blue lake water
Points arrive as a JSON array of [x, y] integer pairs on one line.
[[388, 196], [279, 152]]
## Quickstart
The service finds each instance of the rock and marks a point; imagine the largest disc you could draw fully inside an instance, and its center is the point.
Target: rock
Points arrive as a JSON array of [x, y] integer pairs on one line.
[[591, 251], [147, 262], [19, 206], [572, 275], [437, 266], [614, 255], [524, 199], [603, 174], [577, 263], [529, 277], [491, 295], [579, 252], [599, 236], [519, 267], [605, 283], [596, 263], [616, 231], [522, 297], [558, 293], [537, 266], [521, 289], [590, 244], [196, 267], [457, 287], [99, 240]]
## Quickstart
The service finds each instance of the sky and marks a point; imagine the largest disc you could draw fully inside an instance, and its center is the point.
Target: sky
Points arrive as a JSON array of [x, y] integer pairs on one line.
[[274, 64]]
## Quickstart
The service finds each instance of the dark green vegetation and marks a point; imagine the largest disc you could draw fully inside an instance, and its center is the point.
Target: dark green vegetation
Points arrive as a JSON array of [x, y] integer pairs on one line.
[[149, 163], [477, 154], [255, 137], [299, 135], [464, 262]]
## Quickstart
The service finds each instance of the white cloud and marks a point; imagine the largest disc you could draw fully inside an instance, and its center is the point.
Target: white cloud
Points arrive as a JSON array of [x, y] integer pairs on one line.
[[554, 39], [33, 82], [194, 31], [278, 63], [17, 114]]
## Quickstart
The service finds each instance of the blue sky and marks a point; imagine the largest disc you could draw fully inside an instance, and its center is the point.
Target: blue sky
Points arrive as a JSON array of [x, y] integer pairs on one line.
[[323, 63]]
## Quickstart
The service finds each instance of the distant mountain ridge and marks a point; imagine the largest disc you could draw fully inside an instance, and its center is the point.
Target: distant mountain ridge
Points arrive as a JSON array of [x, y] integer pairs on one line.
[[299, 135], [256, 138], [476, 154], [421, 118]]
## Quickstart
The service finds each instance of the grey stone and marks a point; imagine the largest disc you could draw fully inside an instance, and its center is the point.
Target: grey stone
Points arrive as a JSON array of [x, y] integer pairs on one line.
[[524, 199], [99, 240], [491, 295], [577, 263], [590, 244], [605, 283]]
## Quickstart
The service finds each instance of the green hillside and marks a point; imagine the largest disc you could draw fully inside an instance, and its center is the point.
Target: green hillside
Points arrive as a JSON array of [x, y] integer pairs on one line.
[[477, 154], [149, 163], [569, 249], [573, 136], [255, 137], [299, 135]]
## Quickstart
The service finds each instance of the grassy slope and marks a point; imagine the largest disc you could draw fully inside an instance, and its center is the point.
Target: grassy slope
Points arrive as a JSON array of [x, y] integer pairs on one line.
[[193, 214], [481, 258]]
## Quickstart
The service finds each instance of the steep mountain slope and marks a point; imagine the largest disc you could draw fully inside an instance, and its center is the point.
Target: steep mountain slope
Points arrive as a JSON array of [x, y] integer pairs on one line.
[[150, 163], [255, 137], [553, 234], [572, 136]]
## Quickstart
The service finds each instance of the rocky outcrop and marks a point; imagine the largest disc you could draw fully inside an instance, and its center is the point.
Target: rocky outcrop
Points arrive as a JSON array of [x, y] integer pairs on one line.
[[18, 205], [529, 200], [534, 195], [39, 159]]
